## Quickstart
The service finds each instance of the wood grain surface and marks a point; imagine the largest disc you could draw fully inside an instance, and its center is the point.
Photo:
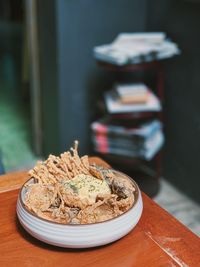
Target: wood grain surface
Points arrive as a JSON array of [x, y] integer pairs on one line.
[[12, 181], [157, 240]]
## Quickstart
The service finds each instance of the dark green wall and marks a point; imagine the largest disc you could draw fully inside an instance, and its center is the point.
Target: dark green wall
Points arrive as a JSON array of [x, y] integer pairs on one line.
[[181, 20], [47, 38]]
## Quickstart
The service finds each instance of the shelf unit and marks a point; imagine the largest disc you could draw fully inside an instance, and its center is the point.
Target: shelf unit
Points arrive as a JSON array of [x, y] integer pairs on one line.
[[157, 68]]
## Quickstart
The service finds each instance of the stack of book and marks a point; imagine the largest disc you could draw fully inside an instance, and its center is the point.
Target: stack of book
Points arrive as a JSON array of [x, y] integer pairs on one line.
[[131, 138], [129, 98], [134, 48], [142, 141], [132, 93]]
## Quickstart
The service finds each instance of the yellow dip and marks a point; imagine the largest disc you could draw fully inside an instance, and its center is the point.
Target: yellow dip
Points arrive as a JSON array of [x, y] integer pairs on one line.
[[87, 187]]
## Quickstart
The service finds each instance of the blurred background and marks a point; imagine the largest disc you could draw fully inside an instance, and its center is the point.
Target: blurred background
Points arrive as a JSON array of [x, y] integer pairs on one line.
[[54, 87]]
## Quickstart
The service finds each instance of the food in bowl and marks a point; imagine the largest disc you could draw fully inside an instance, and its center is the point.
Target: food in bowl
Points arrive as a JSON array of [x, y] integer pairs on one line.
[[68, 189]]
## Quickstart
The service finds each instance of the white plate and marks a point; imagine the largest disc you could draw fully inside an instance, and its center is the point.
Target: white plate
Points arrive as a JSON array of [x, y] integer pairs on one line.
[[79, 236]]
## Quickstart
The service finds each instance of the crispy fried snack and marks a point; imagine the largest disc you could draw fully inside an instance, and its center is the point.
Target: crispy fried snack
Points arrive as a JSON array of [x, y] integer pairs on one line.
[[62, 192]]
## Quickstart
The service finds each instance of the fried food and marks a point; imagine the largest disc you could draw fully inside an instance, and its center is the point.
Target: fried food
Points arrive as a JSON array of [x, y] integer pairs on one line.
[[67, 189]]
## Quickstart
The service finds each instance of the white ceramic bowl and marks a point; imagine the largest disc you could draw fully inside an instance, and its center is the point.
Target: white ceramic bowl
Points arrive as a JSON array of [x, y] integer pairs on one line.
[[79, 236]]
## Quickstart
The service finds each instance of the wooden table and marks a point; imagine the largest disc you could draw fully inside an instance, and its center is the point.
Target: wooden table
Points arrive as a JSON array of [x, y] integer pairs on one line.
[[157, 240]]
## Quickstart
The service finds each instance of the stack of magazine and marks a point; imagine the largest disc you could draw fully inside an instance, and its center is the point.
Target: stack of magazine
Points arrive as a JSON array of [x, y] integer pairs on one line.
[[141, 141], [134, 48]]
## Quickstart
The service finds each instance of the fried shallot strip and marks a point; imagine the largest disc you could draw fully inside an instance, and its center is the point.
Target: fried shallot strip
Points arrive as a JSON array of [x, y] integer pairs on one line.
[[65, 167]]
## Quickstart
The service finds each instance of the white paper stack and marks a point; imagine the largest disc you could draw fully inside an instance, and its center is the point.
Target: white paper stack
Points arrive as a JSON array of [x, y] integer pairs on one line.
[[134, 48]]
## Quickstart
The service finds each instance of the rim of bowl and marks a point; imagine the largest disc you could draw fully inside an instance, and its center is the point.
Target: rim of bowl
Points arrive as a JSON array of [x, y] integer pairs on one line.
[[136, 195]]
